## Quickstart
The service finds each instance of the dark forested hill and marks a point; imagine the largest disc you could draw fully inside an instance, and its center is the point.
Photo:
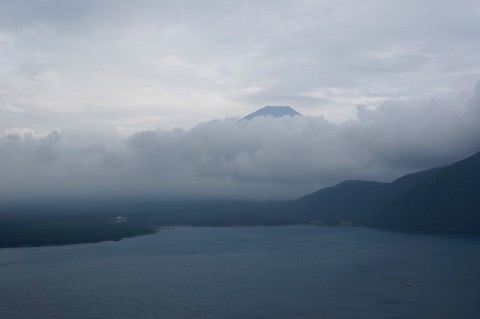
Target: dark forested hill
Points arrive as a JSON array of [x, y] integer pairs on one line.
[[445, 199], [68, 222], [448, 200], [349, 200], [356, 200]]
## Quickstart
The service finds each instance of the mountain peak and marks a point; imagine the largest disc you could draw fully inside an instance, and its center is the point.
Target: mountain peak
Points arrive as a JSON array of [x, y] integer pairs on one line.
[[274, 111]]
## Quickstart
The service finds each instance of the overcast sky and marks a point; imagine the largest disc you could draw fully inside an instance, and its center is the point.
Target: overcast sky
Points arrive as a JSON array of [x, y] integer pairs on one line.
[[117, 97]]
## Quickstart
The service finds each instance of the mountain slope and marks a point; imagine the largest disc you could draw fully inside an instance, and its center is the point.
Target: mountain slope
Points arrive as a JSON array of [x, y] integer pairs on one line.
[[445, 199], [349, 200], [356, 200], [274, 111], [449, 200]]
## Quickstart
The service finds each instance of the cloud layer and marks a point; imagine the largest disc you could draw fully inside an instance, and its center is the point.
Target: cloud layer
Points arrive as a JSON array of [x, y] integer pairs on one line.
[[259, 159], [146, 64], [112, 81]]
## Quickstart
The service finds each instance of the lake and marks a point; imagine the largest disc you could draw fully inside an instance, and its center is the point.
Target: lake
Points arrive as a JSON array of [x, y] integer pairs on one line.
[[247, 272]]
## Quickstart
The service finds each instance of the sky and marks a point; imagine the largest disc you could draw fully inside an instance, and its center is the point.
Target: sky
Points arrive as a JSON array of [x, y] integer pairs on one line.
[[142, 98]]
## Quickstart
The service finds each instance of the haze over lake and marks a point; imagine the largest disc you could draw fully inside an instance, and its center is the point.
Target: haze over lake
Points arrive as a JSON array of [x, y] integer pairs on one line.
[[247, 272], [119, 118]]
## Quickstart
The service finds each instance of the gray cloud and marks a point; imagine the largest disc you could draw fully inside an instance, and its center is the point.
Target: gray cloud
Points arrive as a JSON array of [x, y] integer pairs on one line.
[[116, 79], [263, 158], [147, 64]]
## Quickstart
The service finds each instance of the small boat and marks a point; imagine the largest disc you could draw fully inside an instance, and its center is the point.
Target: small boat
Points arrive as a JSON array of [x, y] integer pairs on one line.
[[407, 284]]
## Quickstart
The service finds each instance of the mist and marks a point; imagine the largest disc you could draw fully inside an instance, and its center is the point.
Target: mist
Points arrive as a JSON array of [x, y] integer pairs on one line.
[[264, 158]]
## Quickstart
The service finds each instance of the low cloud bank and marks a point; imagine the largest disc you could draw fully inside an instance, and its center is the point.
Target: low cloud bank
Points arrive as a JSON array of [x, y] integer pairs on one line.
[[264, 158]]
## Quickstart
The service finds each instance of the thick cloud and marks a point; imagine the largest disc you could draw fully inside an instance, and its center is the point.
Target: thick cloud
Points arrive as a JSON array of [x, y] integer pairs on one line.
[[262, 158], [145, 64], [102, 76]]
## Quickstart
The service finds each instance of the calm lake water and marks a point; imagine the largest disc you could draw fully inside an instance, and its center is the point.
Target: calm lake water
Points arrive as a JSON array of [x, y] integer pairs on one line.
[[247, 272]]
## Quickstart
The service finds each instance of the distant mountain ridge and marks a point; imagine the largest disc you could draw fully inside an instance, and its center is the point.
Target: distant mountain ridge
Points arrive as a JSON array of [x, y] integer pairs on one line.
[[445, 199], [274, 111], [448, 200], [355, 200]]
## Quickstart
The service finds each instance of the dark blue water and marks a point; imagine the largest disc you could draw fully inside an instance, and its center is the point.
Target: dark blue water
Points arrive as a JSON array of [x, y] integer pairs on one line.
[[256, 272]]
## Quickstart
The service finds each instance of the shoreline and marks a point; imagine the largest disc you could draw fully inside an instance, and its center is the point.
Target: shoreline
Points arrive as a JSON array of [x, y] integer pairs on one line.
[[174, 226]]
